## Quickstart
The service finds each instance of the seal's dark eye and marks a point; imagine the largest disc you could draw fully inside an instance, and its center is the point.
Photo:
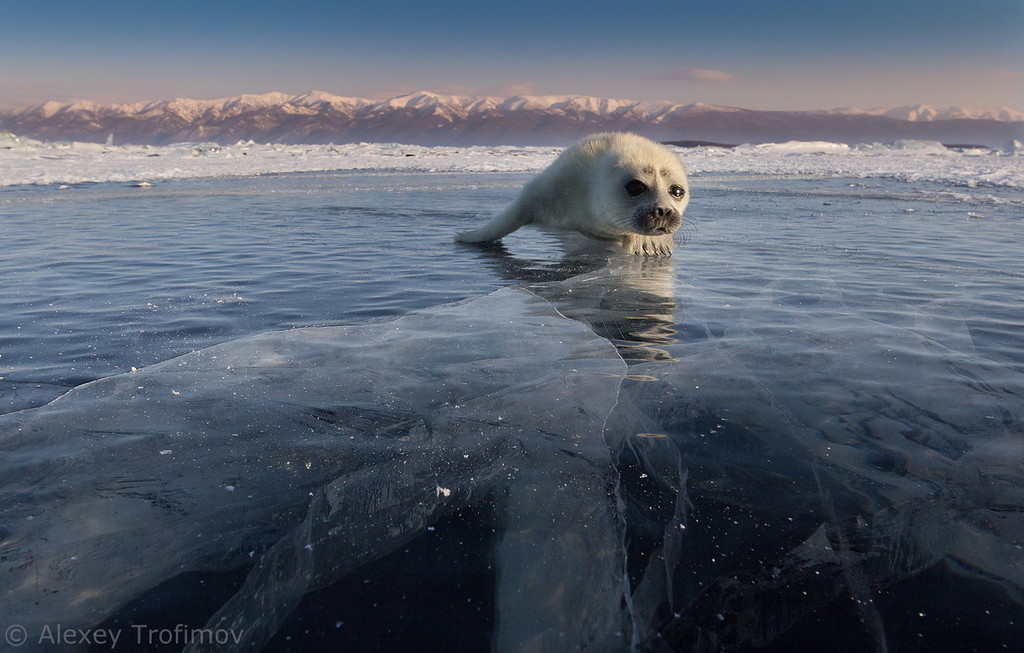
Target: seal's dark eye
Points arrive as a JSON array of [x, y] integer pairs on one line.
[[677, 192], [635, 187]]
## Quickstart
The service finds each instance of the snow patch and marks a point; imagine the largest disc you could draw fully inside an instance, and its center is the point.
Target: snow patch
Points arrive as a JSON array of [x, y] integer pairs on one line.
[[803, 147]]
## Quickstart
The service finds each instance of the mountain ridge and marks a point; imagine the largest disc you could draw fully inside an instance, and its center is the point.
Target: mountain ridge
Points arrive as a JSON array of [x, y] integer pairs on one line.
[[429, 118]]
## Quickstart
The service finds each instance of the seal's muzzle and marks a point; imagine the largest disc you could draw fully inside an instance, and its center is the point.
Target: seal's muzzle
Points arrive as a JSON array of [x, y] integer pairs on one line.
[[656, 220]]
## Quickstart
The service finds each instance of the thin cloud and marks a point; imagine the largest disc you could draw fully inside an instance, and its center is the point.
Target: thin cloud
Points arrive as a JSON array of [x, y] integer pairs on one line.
[[453, 89], [510, 90], [1001, 75], [698, 75]]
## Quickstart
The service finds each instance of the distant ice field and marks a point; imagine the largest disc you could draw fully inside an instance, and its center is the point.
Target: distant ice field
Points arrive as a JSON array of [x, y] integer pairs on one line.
[[911, 161]]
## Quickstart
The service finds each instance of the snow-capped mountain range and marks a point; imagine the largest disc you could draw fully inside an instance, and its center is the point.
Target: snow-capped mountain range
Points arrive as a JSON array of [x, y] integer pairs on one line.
[[430, 119]]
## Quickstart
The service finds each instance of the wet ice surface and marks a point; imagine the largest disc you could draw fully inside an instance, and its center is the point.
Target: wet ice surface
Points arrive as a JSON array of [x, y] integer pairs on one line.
[[805, 423], [100, 278]]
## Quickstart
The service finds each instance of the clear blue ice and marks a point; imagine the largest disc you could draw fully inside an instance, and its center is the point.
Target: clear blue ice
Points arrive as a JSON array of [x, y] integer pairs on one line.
[[807, 421]]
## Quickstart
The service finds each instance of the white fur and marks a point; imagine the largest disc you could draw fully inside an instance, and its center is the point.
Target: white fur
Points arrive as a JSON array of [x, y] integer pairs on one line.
[[584, 190]]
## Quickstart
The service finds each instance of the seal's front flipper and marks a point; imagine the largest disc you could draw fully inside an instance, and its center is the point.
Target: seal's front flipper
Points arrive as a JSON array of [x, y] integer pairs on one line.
[[500, 225]]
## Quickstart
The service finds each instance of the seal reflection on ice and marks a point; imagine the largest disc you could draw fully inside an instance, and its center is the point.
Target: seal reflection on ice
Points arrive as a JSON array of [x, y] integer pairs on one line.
[[615, 187]]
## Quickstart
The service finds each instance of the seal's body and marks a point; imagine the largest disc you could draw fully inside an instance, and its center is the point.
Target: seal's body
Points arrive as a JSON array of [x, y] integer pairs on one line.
[[615, 187]]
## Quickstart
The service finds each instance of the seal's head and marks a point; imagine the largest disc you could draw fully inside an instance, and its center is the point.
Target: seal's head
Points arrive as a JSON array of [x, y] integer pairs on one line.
[[659, 210], [641, 189]]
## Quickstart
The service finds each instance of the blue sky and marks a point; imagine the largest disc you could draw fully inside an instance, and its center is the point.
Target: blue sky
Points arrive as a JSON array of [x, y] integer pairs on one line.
[[759, 54]]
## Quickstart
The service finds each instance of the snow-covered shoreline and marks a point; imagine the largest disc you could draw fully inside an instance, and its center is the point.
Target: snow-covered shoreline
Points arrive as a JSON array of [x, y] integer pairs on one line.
[[35, 163]]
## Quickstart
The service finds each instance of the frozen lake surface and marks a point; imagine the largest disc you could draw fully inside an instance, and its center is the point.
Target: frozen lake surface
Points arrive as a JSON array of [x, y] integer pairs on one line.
[[289, 410]]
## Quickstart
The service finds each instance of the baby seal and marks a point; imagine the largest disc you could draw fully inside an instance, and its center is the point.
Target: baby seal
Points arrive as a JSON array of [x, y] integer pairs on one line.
[[614, 187]]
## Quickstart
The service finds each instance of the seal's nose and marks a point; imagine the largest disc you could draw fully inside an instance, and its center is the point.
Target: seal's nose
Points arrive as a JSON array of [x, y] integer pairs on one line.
[[659, 220]]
